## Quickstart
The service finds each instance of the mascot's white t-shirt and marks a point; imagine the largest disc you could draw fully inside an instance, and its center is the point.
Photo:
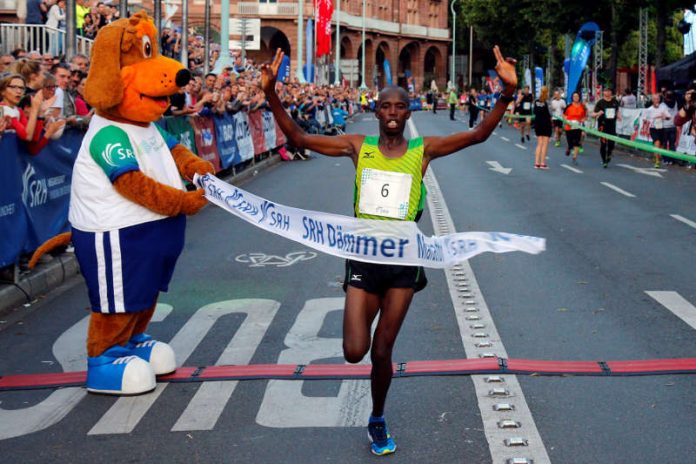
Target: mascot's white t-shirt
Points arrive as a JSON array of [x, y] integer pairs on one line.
[[110, 149]]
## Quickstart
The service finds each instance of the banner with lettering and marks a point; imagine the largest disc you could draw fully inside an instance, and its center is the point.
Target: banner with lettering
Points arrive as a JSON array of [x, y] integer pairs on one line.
[[13, 217], [181, 128], [269, 130], [204, 136], [243, 136], [46, 180], [373, 241], [256, 129], [226, 142]]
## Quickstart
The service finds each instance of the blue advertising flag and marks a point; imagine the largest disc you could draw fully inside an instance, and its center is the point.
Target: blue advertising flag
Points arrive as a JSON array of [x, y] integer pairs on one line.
[[284, 70], [579, 55], [538, 80], [309, 67], [387, 72]]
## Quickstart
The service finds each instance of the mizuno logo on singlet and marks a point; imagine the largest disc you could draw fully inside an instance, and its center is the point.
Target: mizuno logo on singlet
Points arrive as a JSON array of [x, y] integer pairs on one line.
[[368, 155]]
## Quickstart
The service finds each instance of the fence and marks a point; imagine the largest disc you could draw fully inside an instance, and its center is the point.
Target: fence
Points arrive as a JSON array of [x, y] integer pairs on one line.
[[39, 37], [35, 190]]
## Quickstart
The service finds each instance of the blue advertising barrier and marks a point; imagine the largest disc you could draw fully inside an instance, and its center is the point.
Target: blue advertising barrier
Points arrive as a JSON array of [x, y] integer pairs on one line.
[[227, 143], [35, 190]]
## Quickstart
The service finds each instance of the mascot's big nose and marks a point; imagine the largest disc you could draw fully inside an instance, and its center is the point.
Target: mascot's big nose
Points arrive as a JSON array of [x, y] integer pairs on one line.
[[183, 77]]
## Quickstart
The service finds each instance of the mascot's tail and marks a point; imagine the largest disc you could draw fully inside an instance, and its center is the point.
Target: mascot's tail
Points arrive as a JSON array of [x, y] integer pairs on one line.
[[59, 240]]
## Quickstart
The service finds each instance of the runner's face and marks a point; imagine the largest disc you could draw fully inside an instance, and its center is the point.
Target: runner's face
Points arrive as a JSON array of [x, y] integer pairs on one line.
[[392, 114]]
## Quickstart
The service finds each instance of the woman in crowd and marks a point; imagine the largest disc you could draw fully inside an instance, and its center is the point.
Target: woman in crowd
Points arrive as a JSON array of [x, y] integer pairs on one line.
[[657, 114], [31, 73], [473, 107], [542, 128], [575, 112], [12, 88]]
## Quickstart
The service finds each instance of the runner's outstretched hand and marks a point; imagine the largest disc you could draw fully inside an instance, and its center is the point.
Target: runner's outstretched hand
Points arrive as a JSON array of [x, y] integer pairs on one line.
[[269, 72], [505, 67]]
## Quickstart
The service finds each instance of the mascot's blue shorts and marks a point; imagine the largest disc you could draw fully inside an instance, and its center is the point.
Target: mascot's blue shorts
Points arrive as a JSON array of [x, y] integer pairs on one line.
[[125, 269]]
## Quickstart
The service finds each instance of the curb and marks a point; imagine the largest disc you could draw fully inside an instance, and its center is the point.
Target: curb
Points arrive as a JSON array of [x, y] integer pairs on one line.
[[62, 268]]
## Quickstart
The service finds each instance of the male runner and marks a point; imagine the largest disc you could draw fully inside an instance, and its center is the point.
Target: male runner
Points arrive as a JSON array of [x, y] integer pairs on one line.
[[557, 108], [373, 289], [607, 112], [524, 103]]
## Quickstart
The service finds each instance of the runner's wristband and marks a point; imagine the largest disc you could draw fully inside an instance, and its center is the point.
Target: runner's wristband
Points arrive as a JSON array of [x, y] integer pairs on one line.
[[505, 98]]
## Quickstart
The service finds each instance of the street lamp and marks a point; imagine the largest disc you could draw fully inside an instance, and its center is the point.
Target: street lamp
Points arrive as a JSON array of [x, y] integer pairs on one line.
[[362, 67], [223, 60], [300, 46], [454, 41]]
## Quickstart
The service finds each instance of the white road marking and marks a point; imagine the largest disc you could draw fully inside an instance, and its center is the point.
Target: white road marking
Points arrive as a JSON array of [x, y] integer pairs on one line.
[[677, 304], [496, 436], [505, 139], [617, 189], [496, 166], [285, 406], [684, 220], [654, 172], [519, 145], [571, 168], [495, 133], [127, 412], [69, 350]]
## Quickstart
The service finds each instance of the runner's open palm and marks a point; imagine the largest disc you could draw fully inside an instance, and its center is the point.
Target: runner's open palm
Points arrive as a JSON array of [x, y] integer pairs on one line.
[[269, 72], [505, 67]]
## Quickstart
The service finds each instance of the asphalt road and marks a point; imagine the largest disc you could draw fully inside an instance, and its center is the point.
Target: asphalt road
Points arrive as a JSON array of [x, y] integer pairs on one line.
[[241, 295]]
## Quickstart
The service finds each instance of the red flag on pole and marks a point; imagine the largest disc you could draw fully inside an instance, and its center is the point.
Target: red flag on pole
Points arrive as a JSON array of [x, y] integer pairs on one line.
[[324, 9]]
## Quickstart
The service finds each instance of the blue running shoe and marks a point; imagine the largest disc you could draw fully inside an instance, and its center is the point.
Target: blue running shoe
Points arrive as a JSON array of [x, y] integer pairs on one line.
[[381, 442], [117, 372], [158, 354]]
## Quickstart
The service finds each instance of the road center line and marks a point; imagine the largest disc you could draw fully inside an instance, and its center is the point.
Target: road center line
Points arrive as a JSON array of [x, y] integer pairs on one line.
[[518, 145], [677, 304], [617, 189], [505, 139], [571, 168], [475, 321], [684, 220]]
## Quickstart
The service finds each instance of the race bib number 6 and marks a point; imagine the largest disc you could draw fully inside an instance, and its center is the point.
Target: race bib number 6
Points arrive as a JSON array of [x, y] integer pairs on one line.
[[384, 193]]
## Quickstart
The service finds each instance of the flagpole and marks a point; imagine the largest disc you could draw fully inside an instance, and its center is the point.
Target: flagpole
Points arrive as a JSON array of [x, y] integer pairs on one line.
[[337, 80], [362, 85]]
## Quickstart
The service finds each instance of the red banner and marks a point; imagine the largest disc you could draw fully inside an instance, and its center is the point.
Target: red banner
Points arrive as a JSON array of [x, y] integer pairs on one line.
[[204, 135], [256, 129], [324, 9]]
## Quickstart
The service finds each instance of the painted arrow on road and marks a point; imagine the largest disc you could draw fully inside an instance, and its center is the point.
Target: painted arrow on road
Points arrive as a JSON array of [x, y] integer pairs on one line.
[[654, 172], [495, 166]]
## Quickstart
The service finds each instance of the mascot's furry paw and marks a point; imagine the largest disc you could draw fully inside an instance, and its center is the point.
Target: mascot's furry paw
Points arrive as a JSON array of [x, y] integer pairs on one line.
[[192, 202], [118, 372], [190, 164], [158, 354]]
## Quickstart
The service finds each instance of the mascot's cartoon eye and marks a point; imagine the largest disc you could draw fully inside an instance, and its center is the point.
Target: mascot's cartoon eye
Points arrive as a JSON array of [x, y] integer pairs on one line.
[[147, 46]]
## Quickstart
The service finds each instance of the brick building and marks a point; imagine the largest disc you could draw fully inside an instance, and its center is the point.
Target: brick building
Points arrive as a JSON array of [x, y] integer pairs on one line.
[[412, 34]]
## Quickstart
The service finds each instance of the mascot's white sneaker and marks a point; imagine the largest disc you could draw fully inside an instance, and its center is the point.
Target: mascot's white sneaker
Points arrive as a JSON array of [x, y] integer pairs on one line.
[[158, 354], [118, 372]]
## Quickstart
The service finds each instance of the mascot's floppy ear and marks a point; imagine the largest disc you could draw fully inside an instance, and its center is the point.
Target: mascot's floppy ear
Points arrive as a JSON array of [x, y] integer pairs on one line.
[[104, 88]]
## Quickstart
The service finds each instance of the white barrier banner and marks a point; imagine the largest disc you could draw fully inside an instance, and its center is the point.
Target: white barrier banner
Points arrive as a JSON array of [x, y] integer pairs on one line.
[[373, 241]]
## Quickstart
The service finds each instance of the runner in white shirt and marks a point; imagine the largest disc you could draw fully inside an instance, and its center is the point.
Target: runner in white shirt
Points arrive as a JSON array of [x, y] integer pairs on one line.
[[557, 107], [656, 115]]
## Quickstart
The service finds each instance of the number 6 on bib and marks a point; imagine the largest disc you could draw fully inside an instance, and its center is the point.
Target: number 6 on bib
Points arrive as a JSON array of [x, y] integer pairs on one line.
[[385, 193]]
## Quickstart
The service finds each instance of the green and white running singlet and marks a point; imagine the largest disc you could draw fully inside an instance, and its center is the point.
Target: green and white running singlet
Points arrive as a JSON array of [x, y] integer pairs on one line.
[[389, 188]]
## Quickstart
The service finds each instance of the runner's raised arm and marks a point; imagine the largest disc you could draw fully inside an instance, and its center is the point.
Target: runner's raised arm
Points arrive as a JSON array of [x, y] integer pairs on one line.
[[435, 147], [343, 145]]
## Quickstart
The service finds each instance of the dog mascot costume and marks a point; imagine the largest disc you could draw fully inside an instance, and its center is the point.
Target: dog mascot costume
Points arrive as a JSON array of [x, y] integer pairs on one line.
[[128, 204]]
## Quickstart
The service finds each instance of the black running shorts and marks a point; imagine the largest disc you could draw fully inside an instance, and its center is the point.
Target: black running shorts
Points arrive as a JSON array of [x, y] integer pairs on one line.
[[378, 278]]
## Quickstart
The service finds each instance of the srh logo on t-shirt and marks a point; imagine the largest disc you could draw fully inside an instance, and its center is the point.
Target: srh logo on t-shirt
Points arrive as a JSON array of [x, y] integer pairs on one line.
[[115, 152]]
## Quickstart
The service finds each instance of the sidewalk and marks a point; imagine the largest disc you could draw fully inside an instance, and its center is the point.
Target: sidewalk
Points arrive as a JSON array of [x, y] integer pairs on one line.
[[34, 284]]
